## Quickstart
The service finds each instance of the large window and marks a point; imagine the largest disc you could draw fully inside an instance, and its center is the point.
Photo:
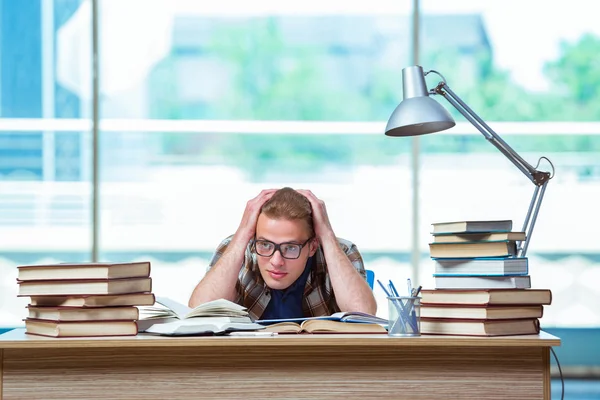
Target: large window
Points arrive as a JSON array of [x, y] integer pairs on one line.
[[202, 107], [45, 167], [226, 105], [536, 87]]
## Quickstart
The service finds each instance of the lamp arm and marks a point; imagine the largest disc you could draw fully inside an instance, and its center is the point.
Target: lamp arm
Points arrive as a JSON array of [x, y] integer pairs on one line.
[[539, 178], [534, 175]]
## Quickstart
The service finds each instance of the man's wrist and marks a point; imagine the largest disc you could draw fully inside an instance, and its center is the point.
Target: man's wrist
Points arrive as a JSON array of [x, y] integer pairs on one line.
[[242, 237], [329, 240]]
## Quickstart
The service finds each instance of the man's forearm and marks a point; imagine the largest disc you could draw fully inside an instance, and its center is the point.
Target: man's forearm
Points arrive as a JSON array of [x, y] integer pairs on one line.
[[352, 292], [220, 281]]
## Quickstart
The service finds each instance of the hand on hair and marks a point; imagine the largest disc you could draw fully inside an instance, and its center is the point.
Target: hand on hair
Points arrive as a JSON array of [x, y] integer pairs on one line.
[[321, 222], [247, 228]]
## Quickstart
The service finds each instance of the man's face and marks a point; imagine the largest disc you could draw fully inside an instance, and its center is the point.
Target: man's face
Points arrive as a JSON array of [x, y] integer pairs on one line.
[[279, 272]]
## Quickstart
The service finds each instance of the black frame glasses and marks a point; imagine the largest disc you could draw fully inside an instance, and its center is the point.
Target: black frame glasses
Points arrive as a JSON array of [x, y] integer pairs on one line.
[[277, 246]]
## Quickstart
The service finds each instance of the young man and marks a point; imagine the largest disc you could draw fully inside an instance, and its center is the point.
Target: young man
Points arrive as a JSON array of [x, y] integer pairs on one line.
[[284, 261]]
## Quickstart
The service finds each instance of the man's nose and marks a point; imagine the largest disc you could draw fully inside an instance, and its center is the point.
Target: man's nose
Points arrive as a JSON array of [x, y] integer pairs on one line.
[[276, 259]]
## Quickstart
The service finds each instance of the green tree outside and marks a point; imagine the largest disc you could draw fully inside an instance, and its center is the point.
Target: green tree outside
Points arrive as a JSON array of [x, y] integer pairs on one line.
[[273, 80]]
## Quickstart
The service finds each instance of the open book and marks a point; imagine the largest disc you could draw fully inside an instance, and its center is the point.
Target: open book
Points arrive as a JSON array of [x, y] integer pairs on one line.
[[168, 317], [166, 308], [347, 316], [325, 326]]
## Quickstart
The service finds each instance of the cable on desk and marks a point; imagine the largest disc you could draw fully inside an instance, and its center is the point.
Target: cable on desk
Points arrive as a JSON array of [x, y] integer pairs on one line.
[[562, 381]]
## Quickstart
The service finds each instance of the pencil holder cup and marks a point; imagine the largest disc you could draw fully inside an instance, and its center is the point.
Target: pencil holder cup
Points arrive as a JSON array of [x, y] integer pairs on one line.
[[404, 316]]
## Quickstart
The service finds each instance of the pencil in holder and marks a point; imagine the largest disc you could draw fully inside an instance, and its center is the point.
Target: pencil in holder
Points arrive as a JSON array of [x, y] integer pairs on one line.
[[404, 316]]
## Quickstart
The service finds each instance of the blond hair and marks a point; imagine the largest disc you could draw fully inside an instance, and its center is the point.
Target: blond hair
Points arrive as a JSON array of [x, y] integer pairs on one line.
[[287, 203]]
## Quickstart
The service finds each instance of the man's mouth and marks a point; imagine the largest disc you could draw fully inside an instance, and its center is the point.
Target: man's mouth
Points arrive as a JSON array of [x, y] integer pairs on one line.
[[276, 274]]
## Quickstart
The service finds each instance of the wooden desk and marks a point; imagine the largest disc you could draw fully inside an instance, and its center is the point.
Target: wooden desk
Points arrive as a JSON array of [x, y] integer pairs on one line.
[[287, 366]]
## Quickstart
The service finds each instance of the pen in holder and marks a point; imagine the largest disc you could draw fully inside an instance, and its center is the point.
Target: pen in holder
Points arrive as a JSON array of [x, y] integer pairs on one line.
[[404, 316]]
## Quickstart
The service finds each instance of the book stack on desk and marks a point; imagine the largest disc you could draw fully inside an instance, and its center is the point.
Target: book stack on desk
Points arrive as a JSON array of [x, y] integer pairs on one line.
[[481, 287], [85, 299]]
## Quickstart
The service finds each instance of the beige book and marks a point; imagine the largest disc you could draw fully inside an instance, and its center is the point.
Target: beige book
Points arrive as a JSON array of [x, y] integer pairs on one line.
[[83, 271], [80, 328], [479, 237], [479, 312], [83, 314], [503, 327], [103, 300], [473, 249], [85, 287], [486, 296], [325, 326], [472, 226]]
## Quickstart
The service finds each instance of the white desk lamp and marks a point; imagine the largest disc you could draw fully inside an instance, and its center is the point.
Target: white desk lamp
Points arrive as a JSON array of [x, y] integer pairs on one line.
[[419, 114]]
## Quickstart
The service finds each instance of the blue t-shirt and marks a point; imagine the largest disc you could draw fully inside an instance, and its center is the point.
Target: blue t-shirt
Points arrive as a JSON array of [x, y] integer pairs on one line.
[[287, 303]]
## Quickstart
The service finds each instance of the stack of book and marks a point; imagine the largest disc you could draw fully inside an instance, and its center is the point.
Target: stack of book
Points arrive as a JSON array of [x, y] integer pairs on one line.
[[482, 287], [85, 299]]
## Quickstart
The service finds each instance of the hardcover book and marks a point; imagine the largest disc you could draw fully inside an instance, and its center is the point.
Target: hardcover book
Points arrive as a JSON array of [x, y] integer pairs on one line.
[[80, 328], [83, 314], [473, 249], [472, 226], [481, 312], [501, 327], [85, 287], [481, 266], [482, 282], [87, 301], [478, 237], [67, 271], [487, 297]]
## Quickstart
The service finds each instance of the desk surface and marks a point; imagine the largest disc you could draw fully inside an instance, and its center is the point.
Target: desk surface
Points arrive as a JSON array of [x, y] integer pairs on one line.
[[17, 339], [351, 367]]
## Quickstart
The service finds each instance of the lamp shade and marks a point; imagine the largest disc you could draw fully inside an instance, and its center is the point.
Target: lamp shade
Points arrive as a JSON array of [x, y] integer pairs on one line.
[[418, 113]]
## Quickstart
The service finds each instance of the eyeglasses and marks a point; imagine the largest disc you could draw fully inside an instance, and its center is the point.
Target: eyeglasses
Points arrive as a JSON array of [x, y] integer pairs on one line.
[[266, 248]]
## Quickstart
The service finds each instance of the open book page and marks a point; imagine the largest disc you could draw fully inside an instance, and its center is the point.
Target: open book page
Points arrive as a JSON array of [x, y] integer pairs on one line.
[[356, 316], [325, 326], [343, 316], [284, 327], [166, 308], [167, 316], [219, 307], [202, 326]]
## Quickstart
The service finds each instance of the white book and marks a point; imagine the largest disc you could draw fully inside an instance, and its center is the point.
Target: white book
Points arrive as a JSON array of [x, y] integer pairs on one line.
[[481, 266], [168, 308], [472, 226], [482, 282], [168, 317], [200, 326]]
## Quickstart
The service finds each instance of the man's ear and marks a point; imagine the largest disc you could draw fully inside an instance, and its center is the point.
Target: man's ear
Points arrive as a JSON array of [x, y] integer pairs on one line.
[[314, 245]]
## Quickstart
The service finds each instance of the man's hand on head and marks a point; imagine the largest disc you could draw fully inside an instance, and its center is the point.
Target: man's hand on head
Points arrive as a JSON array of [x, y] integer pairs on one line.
[[323, 229], [247, 228]]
